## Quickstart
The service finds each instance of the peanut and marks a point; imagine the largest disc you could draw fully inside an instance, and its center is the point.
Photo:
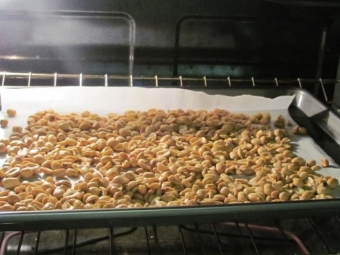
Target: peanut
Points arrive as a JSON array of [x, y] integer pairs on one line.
[[3, 148], [332, 183], [154, 158], [10, 182], [17, 129], [324, 162], [3, 123], [11, 112]]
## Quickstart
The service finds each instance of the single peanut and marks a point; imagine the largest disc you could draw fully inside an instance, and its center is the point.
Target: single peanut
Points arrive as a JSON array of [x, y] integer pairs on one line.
[[324, 162], [10, 182], [11, 112], [3, 123], [3, 148]]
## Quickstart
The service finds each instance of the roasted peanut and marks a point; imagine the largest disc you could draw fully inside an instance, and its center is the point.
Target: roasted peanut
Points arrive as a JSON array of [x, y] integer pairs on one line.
[[3, 148], [154, 158], [11, 112], [311, 163], [10, 182], [3, 123], [299, 130], [284, 196], [280, 122], [332, 183], [322, 190], [254, 197], [302, 131], [17, 129], [324, 162]]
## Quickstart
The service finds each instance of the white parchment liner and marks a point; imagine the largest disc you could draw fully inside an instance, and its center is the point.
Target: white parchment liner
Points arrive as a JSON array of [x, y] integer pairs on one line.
[[104, 100]]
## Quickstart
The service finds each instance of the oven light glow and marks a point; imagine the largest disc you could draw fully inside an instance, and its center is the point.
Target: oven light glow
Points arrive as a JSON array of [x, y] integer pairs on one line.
[[16, 57], [12, 57]]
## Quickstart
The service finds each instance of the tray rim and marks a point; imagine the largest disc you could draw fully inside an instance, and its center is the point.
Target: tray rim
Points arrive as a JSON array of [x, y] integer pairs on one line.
[[170, 215], [126, 217]]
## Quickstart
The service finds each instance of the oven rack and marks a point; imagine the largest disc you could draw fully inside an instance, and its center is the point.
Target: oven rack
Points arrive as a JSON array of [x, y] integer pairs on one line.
[[298, 236], [53, 79]]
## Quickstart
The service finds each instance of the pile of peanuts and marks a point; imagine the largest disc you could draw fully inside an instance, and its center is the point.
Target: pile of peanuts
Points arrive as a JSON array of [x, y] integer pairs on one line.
[[153, 159]]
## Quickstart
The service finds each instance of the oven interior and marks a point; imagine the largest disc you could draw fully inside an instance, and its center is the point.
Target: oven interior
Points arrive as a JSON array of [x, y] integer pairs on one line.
[[225, 44]]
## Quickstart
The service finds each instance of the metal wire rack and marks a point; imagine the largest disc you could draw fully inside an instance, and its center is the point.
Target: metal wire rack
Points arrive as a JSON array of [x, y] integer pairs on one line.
[[298, 236], [55, 79]]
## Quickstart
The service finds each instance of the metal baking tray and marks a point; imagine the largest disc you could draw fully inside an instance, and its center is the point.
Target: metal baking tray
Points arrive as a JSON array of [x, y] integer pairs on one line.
[[306, 110]]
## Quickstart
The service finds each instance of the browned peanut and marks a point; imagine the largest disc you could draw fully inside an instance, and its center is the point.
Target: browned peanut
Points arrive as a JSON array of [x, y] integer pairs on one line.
[[302, 131], [293, 167], [299, 130], [142, 189], [275, 193], [17, 129], [154, 186], [311, 163], [109, 205], [332, 183], [11, 112], [3, 123], [13, 198], [324, 162], [91, 199], [280, 122], [315, 168], [303, 175], [307, 195], [3, 148], [284, 196]]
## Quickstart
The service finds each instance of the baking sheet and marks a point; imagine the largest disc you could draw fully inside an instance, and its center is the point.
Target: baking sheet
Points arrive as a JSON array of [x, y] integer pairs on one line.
[[104, 100]]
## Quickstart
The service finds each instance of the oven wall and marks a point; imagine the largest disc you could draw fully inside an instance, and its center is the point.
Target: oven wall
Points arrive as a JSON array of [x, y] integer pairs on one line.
[[282, 41]]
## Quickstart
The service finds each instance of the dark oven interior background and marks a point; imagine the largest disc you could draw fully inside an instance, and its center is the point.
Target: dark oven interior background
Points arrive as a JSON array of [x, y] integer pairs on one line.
[[243, 38], [215, 38]]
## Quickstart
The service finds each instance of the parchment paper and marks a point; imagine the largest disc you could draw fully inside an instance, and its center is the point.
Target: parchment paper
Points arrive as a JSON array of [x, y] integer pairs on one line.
[[104, 100]]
